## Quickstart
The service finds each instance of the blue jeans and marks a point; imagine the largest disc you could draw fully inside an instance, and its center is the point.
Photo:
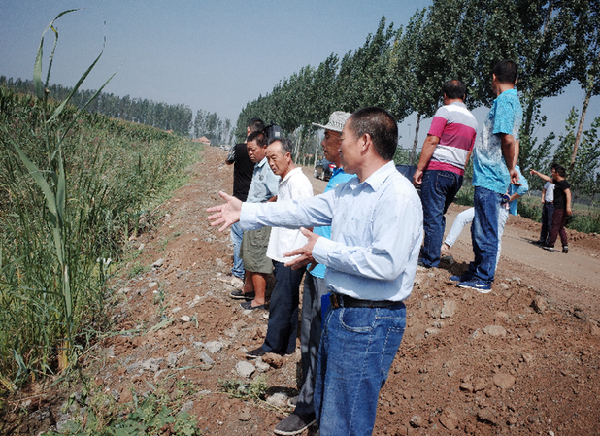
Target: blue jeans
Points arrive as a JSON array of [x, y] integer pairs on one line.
[[484, 234], [356, 351], [283, 310], [238, 264], [437, 192]]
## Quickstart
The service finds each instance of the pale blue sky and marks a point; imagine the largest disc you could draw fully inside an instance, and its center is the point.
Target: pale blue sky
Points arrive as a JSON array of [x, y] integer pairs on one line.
[[211, 55]]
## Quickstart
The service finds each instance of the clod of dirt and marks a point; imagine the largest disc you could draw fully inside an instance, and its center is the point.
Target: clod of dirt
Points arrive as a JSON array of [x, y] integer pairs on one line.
[[494, 330], [125, 396], [449, 419], [487, 415], [245, 414], [578, 313], [416, 421], [449, 309], [539, 304], [504, 381], [273, 359]]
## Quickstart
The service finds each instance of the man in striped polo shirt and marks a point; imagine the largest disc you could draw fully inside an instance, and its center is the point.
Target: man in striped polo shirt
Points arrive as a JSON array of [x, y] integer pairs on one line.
[[441, 166]]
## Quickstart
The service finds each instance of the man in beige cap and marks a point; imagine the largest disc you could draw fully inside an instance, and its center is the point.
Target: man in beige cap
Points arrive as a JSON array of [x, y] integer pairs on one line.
[[314, 289]]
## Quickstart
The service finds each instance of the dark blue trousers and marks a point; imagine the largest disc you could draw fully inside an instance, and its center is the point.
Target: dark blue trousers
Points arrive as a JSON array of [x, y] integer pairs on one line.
[[283, 310]]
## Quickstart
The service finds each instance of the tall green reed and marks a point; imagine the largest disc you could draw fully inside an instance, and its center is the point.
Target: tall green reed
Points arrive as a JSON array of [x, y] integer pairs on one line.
[[62, 225], [72, 186]]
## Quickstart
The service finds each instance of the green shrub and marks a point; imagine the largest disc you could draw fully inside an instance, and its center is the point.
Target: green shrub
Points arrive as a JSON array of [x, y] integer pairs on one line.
[[464, 197]]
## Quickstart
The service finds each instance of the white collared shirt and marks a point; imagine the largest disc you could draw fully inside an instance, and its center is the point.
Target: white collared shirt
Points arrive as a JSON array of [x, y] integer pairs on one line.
[[294, 186], [376, 233]]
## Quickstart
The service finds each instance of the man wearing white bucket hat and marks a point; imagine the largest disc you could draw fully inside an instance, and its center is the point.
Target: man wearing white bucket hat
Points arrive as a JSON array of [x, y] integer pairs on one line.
[[314, 289]]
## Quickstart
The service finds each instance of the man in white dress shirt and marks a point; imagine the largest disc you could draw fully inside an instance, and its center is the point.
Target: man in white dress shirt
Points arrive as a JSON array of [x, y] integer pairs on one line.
[[283, 306]]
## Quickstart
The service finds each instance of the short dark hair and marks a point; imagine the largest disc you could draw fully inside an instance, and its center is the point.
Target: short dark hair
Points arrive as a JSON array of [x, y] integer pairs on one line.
[[259, 137], [560, 171], [506, 71], [380, 125], [286, 144], [256, 125], [554, 166], [454, 89]]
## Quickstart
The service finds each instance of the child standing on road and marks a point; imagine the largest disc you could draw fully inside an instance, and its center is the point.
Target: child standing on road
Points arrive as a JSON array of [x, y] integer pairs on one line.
[[548, 209], [562, 207]]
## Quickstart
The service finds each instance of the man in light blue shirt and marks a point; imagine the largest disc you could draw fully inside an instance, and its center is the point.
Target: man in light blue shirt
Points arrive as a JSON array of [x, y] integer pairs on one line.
[[263, 187], [494, 161], [376, 224]]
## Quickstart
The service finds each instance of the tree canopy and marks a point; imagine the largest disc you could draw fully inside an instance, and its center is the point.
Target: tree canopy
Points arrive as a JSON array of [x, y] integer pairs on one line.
[[554, 43]]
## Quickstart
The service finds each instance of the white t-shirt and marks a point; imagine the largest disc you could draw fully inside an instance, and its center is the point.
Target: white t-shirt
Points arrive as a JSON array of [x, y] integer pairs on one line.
[[549, 187]]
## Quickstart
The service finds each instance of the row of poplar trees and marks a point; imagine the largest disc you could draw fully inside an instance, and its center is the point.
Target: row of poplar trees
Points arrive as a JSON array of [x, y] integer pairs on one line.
[[555, 42]]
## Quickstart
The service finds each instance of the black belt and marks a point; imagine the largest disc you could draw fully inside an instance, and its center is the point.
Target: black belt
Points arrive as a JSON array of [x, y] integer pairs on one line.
[[339, 300]]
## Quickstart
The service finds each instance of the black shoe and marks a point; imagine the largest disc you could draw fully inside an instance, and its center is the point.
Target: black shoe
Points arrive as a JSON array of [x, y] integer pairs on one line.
[[238, 294], [247, 305], [539, 242], [259, 352], [565, 248], [294, 424], [462, 278]]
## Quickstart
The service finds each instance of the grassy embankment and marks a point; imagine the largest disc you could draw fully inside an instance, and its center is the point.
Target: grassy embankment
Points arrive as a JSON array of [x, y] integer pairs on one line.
[[73, 188]]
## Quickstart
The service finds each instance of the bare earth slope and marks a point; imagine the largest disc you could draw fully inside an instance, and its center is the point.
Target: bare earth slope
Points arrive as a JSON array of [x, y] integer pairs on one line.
[[520, 360]]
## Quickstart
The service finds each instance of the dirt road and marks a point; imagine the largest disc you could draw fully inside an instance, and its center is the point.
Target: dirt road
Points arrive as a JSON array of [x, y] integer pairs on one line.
[[521, 360], [573, 278]]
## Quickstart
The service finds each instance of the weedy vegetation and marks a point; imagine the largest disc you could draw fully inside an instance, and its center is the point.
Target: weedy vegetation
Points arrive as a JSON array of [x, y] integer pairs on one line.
[[254, 390], [73, 187], [95, 412]]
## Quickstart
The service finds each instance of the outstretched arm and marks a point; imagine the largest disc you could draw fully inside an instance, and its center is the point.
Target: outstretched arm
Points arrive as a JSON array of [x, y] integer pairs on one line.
[[544, 177], [227, 213]]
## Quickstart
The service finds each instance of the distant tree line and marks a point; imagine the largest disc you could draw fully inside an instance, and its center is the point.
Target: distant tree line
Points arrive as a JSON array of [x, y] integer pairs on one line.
[[555, 42], [213, 128], [177, 118]]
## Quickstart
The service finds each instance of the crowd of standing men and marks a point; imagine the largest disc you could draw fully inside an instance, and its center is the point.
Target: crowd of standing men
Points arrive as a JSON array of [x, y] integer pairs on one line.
[[361, 241]]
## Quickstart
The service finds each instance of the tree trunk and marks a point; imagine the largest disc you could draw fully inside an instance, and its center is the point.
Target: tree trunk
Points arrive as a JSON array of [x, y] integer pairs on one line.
[[413, 153], [586, 101], [316, 150]]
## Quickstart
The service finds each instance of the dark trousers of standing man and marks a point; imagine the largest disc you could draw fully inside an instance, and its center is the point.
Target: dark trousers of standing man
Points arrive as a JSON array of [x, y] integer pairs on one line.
[[310, 335], [437, 192], [283, 310], [547, 212], [559, 219]]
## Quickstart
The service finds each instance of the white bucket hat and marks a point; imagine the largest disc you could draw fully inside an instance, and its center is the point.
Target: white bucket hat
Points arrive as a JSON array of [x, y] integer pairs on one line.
[[336, 121]]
